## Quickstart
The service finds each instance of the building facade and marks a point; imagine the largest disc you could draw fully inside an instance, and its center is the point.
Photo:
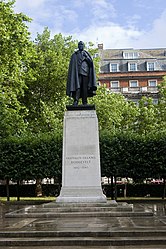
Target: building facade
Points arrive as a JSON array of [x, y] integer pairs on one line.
[[132, 72]]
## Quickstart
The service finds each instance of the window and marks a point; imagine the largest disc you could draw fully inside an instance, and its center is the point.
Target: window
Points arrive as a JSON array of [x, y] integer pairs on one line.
[[132, 66], [114, 84], [155, 101], [152, 83], [133, 83], [130, 55], [150, 66], [114, 67], [96, 55]]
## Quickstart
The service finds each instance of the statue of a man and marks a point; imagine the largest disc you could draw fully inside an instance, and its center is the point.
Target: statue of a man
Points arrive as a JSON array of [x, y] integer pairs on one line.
[[81, 81]]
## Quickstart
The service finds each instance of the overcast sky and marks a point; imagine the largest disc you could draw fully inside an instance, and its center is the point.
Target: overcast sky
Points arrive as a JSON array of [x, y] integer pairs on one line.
[[115, 23]]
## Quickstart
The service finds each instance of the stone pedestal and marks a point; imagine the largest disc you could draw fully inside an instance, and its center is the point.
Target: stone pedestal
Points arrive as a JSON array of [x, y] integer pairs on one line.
[[81, 177]]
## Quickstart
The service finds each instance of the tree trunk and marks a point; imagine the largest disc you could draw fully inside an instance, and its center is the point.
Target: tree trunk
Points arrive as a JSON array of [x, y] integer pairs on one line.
[[18, 194], [125, 189], [164, 188], [39, 187], [112, 187], [7, 189], [115, 190]]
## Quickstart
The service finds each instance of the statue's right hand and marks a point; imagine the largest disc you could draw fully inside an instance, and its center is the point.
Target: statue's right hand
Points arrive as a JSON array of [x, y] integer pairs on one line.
[[84, 54]]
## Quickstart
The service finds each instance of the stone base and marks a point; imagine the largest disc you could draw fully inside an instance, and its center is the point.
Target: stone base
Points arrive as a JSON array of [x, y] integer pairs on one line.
[[81, 177], [81, 194]]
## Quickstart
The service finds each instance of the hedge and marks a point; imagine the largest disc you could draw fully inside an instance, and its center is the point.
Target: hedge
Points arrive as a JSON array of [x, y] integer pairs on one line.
[[31, 157], [130, 155], [125, 155]]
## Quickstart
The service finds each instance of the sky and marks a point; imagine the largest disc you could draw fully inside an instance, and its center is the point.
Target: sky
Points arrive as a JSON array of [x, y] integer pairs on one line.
[[117, 24]]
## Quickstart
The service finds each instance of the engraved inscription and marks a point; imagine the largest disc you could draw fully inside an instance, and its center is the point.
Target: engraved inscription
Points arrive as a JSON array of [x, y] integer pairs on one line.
[[80, 162]]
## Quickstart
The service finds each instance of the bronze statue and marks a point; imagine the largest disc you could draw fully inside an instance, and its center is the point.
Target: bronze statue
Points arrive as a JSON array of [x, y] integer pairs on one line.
[[81, 81]]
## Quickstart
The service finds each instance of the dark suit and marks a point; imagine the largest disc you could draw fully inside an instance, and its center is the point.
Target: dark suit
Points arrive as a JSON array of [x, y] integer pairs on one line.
[[81, 77]]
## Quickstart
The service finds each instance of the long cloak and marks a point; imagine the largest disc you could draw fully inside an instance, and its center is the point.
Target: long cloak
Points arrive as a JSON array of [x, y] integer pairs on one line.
[[73, 79]]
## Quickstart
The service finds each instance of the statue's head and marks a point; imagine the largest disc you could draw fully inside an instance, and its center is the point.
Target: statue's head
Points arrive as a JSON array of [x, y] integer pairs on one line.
[[81, 46]]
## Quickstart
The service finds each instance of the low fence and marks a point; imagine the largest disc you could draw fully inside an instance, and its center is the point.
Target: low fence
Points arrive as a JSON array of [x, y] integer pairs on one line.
[[135, 190], [29, 190], [122, 190]]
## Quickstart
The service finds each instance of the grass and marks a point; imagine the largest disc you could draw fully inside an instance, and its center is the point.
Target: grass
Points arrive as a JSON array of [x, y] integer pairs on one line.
[[139, 198], [49, 198], [3, 199]]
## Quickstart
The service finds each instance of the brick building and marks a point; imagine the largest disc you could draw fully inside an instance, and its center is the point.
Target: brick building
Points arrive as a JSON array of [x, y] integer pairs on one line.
[[133, 72]]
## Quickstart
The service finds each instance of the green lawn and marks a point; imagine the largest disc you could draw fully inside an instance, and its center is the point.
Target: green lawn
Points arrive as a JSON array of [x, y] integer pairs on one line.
[[12, 199], [29, 199]]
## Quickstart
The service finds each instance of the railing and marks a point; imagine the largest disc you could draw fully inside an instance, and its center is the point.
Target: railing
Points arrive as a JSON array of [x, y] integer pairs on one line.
[[148, 89]]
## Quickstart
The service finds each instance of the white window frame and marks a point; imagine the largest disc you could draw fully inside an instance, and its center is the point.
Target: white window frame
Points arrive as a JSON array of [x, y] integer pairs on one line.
[[130, 55], [129, 66], [149, 81], [148, 67], [96, 55], [131, 81], [113, 82], [117, 67], [155, 101]]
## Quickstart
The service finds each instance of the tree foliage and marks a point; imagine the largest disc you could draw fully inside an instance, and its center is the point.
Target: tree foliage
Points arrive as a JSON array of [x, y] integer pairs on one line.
[[133, 155], [114, 112], [45, 95], [161, 107], [37, 156], [16, 51]]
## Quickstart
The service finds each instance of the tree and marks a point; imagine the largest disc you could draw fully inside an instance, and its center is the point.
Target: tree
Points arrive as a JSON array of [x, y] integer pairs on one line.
[[45, 96], [114, 112], [147, 117], [161, 107], [16, 50]]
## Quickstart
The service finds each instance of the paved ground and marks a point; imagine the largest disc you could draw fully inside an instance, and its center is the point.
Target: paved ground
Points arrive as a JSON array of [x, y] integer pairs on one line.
[[93, 247], [86, 224]]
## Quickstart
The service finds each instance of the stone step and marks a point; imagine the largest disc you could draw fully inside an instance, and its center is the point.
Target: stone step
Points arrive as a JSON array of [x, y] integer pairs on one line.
[[89, 247], [72, 208], [108, 234], [77, 214], [92, 227], [85, 241], [112, 203], [78, 209], [68, 210], [55, 209]]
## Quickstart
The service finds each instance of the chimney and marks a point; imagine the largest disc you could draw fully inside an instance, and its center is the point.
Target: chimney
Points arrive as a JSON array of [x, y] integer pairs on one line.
[[100, 46]]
